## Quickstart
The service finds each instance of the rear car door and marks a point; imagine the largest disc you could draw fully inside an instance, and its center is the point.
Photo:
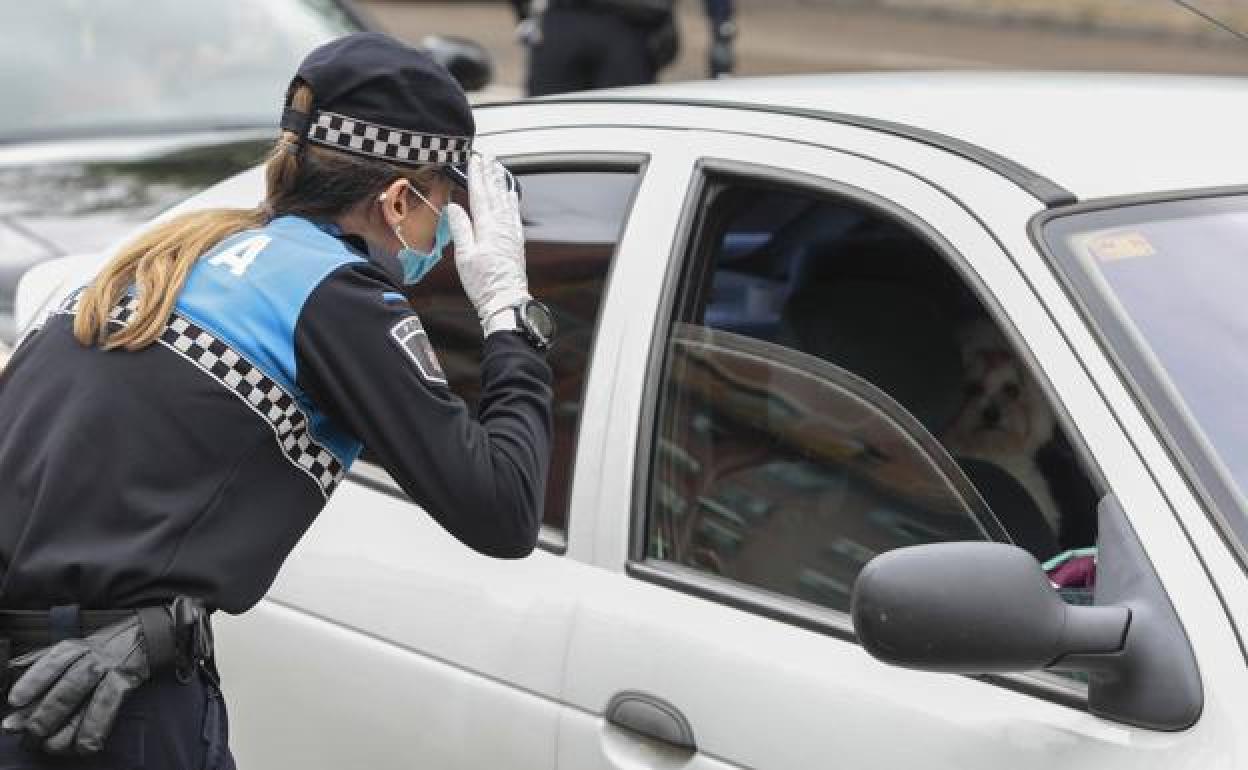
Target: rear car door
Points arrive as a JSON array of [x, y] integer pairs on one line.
[[779, 421], [384, 642]]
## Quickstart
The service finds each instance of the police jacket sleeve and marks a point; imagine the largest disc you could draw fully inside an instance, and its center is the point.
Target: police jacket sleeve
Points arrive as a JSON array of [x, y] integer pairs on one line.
[[364, 360]]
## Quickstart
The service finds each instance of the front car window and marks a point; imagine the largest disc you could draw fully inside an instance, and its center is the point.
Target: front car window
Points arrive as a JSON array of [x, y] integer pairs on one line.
[[1166, 284], [833, 389], [73, 68]]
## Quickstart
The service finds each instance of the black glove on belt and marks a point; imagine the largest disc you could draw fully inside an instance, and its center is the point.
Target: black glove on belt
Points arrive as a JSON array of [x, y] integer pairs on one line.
[[71, 693]]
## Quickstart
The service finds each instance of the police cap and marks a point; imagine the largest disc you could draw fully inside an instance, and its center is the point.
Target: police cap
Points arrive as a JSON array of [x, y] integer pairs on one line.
[[377, 97]]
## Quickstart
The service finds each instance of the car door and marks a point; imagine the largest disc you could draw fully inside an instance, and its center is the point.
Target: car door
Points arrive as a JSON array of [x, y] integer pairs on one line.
[[765, 444], [386, 643]]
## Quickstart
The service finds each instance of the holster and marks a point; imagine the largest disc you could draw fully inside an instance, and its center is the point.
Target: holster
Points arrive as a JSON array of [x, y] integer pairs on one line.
[[178, 637]]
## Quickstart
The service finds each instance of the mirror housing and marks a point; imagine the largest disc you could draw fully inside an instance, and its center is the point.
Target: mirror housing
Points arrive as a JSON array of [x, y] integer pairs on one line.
[[987, 608], [467, 61], [974, 608]]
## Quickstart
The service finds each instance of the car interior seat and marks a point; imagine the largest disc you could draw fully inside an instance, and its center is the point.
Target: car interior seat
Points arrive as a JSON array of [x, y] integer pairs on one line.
[[893, 335], [902, 339], [1014, 507]]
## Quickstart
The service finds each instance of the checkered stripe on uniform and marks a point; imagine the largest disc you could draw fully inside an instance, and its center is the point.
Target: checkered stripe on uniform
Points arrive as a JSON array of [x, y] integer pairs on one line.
[[267, 398], [334, 130], [121, 313], [227, 366]]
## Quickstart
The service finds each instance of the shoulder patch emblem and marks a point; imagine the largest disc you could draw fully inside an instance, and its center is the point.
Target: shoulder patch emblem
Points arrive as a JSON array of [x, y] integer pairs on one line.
[[411, 338]]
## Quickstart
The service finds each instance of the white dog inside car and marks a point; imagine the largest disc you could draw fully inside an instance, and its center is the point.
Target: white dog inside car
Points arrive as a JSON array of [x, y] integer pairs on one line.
[[1005, 418]]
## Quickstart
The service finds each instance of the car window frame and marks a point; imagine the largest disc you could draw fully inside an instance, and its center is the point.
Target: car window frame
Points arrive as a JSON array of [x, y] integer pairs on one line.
[[551, 540], [757, 601]]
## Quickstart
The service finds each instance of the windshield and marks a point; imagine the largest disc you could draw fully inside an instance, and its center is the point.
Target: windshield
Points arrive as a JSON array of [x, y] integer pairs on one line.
[[98, 67], [1170, 284]]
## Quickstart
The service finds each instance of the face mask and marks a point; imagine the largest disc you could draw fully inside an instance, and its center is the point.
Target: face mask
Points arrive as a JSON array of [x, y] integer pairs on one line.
[[417, 264]]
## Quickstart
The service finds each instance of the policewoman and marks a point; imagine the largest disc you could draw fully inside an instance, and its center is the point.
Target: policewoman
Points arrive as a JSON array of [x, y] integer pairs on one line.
[[173, 428]]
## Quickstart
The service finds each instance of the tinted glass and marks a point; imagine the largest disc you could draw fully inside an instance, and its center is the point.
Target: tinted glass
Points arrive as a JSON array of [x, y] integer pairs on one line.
[[573, 221], [779, 470], [1176, 276], [69, 67]]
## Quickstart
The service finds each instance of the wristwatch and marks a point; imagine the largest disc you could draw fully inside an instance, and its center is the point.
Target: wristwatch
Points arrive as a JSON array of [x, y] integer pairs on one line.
[[535, 323], [530, 319]]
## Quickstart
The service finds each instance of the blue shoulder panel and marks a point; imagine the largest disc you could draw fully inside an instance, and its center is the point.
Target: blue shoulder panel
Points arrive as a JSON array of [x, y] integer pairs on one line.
[[249, 291]]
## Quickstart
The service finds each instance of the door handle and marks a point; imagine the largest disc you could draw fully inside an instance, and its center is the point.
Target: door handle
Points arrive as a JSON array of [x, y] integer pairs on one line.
[[652, 717]]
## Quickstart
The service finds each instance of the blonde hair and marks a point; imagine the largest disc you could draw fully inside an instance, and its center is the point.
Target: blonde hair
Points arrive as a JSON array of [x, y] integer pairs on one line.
[[310, 181]]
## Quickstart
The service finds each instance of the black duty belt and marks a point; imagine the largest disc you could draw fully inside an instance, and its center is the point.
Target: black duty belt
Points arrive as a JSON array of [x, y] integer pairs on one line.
[[27, 630]]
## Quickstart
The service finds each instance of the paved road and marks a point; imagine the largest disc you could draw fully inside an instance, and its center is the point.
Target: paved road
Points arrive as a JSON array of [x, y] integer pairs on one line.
[[784, 36]]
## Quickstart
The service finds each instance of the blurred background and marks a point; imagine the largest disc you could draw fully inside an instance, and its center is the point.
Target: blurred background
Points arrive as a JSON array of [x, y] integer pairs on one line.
[[791, 36], [116, 109]]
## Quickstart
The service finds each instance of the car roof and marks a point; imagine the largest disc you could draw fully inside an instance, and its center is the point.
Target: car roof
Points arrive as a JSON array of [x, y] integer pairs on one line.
[[1096, 135]]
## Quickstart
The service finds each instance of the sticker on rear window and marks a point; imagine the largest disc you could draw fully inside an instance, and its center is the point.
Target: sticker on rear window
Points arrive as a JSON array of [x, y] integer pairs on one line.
[[1112, 247]]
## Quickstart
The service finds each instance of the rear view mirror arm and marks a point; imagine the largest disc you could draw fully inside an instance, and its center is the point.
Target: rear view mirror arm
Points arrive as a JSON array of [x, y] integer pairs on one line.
[[1154, 682]]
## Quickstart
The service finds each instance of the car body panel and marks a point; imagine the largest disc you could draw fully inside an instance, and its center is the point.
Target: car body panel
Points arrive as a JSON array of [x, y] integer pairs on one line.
[[352, 700], [457, 647]]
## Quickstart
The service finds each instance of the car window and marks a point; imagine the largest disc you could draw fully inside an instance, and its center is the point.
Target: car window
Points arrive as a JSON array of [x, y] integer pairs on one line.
[[573, 220], [769, 468]]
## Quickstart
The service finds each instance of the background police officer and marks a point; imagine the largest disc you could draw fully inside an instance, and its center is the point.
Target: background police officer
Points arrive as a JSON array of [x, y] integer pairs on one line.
[[576, 45], [172, 429]]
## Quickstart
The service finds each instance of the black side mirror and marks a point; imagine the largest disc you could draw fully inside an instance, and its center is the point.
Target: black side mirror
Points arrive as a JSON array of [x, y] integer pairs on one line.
[[467, 61], [974, 608], [987, 608]]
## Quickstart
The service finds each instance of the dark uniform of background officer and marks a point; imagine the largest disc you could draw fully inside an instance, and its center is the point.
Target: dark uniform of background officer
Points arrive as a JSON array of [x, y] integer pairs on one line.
[[169, 433], [576, 45]]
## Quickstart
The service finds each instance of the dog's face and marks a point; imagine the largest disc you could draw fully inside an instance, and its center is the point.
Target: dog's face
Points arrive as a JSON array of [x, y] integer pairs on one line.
[[1004, 411]]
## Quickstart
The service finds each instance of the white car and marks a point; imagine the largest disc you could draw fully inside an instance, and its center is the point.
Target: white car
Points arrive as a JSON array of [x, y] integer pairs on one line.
[[806, 321]]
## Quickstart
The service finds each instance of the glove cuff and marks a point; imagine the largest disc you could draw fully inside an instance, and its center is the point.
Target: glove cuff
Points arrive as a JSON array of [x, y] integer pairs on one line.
[[502, 301], [502, 321]]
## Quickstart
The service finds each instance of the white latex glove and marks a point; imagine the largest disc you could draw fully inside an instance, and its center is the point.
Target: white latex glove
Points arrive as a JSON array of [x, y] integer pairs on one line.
[[489, 247]]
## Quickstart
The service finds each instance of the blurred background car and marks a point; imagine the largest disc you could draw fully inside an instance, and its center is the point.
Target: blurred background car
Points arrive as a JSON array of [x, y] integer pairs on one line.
[[115, 110]]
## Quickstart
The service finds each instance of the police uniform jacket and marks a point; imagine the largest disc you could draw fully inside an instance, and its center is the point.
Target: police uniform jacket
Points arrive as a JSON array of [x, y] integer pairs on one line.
[[193, 466]]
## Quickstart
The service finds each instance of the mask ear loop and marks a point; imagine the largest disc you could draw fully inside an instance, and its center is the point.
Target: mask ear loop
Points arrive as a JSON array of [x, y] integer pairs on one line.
[[423, 199], [382, 198]]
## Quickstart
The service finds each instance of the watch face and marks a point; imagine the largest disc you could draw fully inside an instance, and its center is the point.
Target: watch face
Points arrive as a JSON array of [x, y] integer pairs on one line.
[[540, 320]]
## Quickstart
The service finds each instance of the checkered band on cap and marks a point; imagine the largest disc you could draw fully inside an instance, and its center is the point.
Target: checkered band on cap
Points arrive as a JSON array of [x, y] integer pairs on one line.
[[393, 144], [263, 395]]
